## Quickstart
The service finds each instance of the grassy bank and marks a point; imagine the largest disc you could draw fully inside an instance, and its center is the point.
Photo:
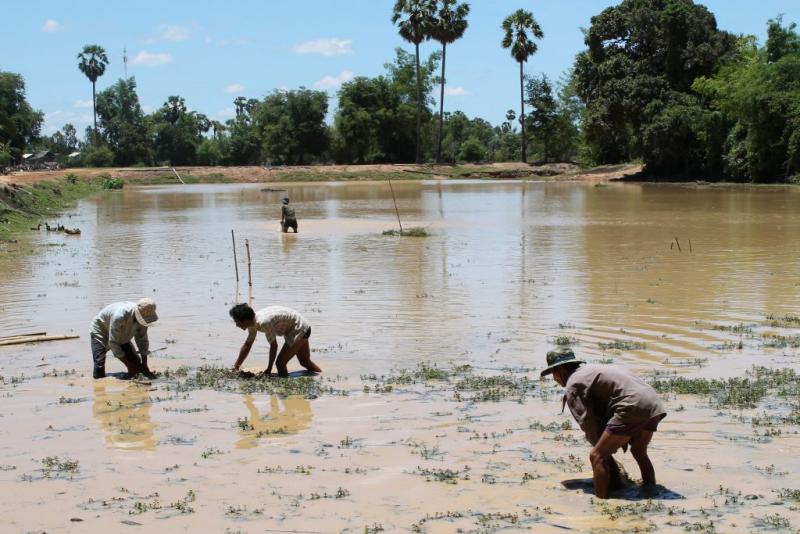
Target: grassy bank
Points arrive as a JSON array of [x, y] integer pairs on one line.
[[22, 207]]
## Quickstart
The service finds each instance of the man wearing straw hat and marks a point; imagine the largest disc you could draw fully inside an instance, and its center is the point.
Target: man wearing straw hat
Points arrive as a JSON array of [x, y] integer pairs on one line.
[[614, 408], [115, 327]]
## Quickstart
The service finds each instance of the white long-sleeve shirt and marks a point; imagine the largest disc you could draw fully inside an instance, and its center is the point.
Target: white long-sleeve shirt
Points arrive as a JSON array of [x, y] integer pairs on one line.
[[116, 324]]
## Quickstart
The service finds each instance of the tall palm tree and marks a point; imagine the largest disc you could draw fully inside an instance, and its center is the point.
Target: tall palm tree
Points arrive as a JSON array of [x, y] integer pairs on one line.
[[414, 19], [517, 27], [449, 25], [93, 61]]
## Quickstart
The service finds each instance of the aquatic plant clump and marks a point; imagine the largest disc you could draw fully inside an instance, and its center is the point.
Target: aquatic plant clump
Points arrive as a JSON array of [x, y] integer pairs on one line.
[[416, 231], [738, 392], [223, 379]]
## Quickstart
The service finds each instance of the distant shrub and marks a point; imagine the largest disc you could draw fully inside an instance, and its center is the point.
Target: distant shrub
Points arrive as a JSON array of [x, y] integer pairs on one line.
[[72, 178], [98, 156], [112, 183]]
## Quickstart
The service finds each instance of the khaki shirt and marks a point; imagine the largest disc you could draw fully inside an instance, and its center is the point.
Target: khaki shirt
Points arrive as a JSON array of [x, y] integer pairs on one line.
[[287, 212], [601, 394], [116, 325], [276, 321]]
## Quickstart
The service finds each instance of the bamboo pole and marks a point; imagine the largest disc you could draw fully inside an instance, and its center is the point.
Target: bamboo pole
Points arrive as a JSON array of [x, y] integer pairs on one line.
[[178, 175], [395, 207], [3, 338], [34, 339], [235, 264], [249, 275]]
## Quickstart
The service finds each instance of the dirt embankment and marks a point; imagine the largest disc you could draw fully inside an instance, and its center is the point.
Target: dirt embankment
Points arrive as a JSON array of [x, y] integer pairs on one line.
[[559, 171]]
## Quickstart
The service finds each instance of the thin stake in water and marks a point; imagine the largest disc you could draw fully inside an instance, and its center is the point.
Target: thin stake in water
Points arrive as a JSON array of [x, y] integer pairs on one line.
[[395, 207], [235, 264], [249, 275]]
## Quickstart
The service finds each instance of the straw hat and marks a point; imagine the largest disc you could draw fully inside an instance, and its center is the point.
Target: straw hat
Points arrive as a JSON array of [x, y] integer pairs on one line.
[[145, 312]]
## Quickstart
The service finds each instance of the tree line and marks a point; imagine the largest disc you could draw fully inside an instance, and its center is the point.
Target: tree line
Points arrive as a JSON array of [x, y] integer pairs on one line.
[[658, 82]]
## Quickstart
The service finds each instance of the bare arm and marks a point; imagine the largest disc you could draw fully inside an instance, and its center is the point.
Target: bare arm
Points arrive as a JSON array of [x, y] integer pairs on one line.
[[245, 350], [273, 352]]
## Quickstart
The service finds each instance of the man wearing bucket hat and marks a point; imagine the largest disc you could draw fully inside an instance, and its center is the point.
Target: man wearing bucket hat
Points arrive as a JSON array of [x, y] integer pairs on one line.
[[614, 408], [115, 327], [288, 217]]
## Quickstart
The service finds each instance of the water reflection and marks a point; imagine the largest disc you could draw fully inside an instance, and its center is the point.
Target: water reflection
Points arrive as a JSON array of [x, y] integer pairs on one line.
[[123, 413], [285, 416]]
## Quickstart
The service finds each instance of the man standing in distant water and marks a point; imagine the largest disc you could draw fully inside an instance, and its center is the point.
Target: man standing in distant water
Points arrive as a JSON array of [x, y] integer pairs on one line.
[[288, 218], [115, 327], [275, 321], [615, 408]]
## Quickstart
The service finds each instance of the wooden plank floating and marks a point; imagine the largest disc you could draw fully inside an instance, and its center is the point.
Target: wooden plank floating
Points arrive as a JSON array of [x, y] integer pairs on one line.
[[34, 339]]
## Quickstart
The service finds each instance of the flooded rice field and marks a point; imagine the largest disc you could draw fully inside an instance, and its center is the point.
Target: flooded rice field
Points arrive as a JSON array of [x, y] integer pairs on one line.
[[430, 415]]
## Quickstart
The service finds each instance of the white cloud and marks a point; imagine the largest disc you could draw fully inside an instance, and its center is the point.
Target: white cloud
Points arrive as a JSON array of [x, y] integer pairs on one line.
[[456, 91], [51, 26], [234, 88], [173, 33], [325, 47], [151, 59], [82, 104], [334, 82]]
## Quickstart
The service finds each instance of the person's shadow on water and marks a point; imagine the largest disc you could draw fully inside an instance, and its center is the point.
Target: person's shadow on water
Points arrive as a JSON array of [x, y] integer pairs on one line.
[[629, 491]]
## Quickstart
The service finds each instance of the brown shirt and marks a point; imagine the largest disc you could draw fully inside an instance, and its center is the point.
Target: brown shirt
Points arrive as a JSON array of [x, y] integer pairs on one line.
[[601, 394]]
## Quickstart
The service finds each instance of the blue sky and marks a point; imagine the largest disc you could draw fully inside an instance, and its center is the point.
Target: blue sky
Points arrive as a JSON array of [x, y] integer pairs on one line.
[[211, 52]]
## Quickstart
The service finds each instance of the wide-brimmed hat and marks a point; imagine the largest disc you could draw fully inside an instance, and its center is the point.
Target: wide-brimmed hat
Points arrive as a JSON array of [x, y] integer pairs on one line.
[[145, 312], [285, 200], [558, 357]]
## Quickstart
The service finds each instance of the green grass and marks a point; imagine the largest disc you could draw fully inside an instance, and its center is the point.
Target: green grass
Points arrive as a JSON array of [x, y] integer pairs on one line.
[[23, 207]]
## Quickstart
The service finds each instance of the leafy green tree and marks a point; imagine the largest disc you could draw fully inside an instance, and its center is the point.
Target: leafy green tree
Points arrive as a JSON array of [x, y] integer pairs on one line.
[[544, 113], [21, 124], [448, 25], [93, 61], [242, 145], [781, 40], [375, 121], [209, 152], [759, 93], [414, 19], [123, 123], [98, 155], [519, 31], [292, 125], [642, 56], [178, 131]]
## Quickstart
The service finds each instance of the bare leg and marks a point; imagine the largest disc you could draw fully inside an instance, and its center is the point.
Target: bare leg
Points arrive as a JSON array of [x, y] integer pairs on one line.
[[304, 357], [639, 451], [287, 353], [601, 453]]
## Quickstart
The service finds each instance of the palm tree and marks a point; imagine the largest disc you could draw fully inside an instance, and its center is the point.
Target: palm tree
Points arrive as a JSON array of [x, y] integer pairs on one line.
[[516, 27], [93, 65], [449, 25], [413, 19]]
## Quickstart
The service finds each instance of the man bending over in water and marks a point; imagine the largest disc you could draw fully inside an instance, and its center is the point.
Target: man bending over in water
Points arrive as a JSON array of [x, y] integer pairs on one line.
[[275, 321], [615, 408]]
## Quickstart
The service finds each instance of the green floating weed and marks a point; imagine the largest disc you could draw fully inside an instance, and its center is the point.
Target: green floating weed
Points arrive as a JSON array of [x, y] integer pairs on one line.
[[618, 344], [112, 183], [417, 231], [783, 321], [54, 465]]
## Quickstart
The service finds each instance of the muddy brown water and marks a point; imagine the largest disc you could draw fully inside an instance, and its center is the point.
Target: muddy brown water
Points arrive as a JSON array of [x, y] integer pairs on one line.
[[508, 267]]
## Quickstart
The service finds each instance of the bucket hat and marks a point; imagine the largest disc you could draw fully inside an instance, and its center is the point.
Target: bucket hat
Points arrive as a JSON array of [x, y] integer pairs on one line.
[[558, 357]]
